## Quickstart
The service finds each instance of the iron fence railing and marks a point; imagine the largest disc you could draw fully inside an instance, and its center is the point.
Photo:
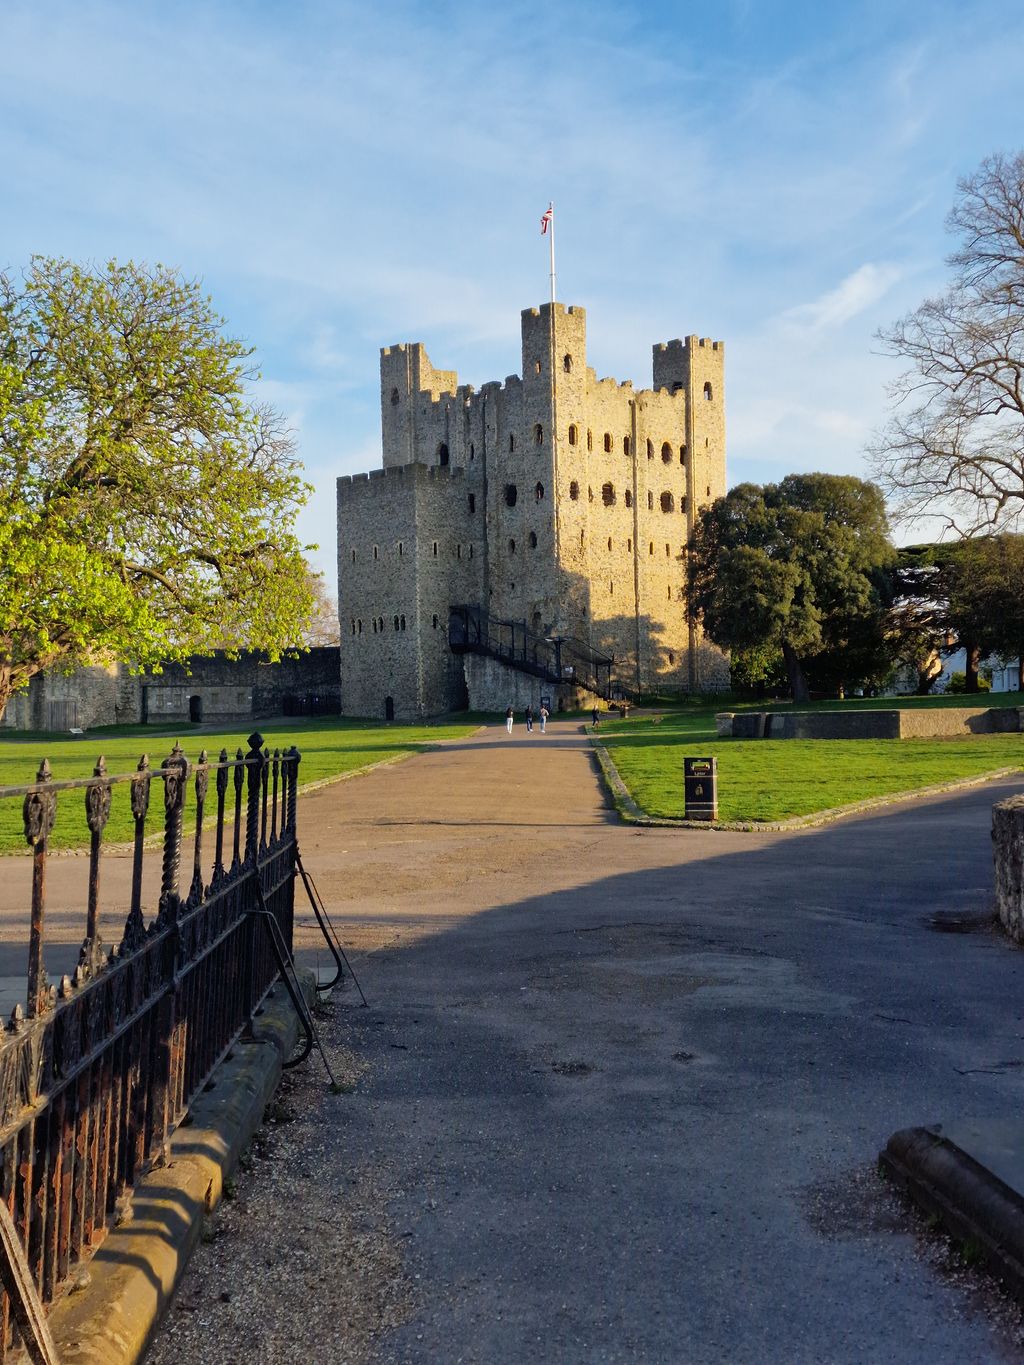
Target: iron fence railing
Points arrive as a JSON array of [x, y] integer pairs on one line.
[[96, 1070]]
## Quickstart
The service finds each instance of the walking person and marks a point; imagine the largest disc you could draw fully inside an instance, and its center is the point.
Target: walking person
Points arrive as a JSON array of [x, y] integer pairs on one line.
[[509, 717], [529, 720], [543, 719], [595, 716]]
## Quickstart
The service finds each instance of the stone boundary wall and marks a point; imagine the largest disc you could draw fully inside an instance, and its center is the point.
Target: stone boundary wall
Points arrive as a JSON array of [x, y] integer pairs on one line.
[[1008, 852], [874, 724], [492, 686]]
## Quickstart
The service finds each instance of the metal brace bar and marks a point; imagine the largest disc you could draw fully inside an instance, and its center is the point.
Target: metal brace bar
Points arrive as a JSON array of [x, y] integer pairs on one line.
[[327, 929], [21, 1290]]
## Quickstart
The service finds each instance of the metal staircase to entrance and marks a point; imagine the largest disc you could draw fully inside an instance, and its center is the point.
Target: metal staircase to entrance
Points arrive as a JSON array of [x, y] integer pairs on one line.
[[557, 659]]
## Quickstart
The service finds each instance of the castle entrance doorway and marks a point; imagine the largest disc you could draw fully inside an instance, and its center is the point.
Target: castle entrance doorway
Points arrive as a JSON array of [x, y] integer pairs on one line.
[[195, 709], [389, 708]]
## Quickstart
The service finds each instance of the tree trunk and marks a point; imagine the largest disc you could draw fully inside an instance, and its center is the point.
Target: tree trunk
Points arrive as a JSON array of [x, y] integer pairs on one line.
[[797, 681], [973, 653]]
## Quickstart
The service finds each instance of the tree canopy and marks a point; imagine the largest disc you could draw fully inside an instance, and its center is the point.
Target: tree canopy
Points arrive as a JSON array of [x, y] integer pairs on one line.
[[801, 566], [147, 504], [954, 447]]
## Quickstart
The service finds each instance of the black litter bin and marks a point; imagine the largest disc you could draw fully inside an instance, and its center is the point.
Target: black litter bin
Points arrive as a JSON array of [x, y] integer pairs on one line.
[[700, 780]]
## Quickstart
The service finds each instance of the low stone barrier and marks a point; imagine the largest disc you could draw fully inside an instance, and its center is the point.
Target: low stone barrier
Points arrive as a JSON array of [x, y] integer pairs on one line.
[[1008, 851], [913, 723]]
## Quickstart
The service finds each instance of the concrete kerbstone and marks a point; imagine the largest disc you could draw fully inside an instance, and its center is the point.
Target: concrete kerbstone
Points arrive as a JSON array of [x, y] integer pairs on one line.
[[133, 1275]]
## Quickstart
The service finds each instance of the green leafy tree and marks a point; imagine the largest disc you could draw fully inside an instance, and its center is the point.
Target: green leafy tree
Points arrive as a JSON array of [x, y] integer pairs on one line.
[[147, 505], [799, 565]]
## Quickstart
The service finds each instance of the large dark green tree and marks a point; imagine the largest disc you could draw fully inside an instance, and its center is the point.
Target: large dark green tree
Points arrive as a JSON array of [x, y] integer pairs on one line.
[[800, 565], [147, 505]]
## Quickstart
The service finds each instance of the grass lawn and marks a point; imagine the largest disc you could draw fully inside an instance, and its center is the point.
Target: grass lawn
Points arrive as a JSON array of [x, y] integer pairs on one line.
[[329, 747], [776, 779]]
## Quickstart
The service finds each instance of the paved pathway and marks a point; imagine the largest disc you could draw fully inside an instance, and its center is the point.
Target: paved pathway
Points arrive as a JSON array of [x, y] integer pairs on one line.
[[625, 1087]]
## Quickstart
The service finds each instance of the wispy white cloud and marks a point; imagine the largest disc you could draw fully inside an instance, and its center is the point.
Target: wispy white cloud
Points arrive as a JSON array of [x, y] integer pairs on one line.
[[860, 290]]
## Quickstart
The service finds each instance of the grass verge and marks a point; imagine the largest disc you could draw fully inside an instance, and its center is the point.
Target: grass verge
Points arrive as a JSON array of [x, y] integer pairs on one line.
[[771, 780]]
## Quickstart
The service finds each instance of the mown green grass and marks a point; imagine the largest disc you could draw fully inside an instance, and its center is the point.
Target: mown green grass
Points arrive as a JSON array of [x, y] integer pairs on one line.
[[777, 779], [329, 747]]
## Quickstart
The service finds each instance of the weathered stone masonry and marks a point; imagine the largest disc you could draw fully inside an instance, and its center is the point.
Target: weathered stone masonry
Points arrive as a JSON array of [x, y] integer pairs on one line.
[[556, 499]]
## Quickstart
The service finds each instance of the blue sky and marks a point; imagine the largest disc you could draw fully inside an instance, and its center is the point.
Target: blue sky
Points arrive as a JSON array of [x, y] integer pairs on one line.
[[341, 176]]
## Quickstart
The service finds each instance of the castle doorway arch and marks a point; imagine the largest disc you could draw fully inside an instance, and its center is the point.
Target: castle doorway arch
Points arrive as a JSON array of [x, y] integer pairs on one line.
[[195, 710], [389, 708]]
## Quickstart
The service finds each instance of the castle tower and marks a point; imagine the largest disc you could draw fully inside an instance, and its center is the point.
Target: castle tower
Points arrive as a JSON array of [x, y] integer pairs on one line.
[[556, 500]]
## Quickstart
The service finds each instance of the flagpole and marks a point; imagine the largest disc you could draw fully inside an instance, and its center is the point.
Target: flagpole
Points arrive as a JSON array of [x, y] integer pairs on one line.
[[551, 210]]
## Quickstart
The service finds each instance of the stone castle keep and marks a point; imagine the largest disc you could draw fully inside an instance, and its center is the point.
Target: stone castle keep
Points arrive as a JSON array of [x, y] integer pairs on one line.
[[557, 503]]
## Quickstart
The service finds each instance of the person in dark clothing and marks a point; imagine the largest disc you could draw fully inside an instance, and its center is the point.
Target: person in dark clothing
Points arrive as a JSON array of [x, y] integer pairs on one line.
[[595, 716], [529, 719]]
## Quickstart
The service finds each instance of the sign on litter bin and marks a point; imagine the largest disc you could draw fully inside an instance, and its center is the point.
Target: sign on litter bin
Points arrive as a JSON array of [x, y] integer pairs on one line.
[[700, 779]]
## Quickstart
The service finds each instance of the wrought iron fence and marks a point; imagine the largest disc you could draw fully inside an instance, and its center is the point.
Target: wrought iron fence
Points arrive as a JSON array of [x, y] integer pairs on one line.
[[98, 1069]]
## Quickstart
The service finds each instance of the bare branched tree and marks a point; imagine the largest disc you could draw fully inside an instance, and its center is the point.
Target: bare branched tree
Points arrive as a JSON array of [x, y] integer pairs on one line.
[[954, 447]]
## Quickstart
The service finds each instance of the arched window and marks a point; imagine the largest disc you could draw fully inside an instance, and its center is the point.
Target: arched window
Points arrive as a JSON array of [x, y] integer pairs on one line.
[[511, 547], [458, 552], [373, 623], [533, 540], [682, 454], [403, 623], [396, 623], [666, 453], [435, 620], [625, 445], [472, 502], [435, 549], [682, 503], [574, 490], [394, 397], [538, 435], [629, 545], [590, 440], [472, 451], [650, 449], [353, 556], [629, 498], [511, 443], [359, 627], [707, 391], [511, 495], [608, 441], [375, 552], [567, 363], [709, 490], [353, 625], [608, 495], [471, 552], [611, 589], [399, 549], [668, 550], [574, 435], [650, 501], [669, 594], [668, 503], [538, 492], [443, 456]]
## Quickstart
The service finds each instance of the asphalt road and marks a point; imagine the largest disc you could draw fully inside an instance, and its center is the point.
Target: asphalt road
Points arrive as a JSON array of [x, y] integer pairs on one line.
[[635, 1118], [624, 1089]]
